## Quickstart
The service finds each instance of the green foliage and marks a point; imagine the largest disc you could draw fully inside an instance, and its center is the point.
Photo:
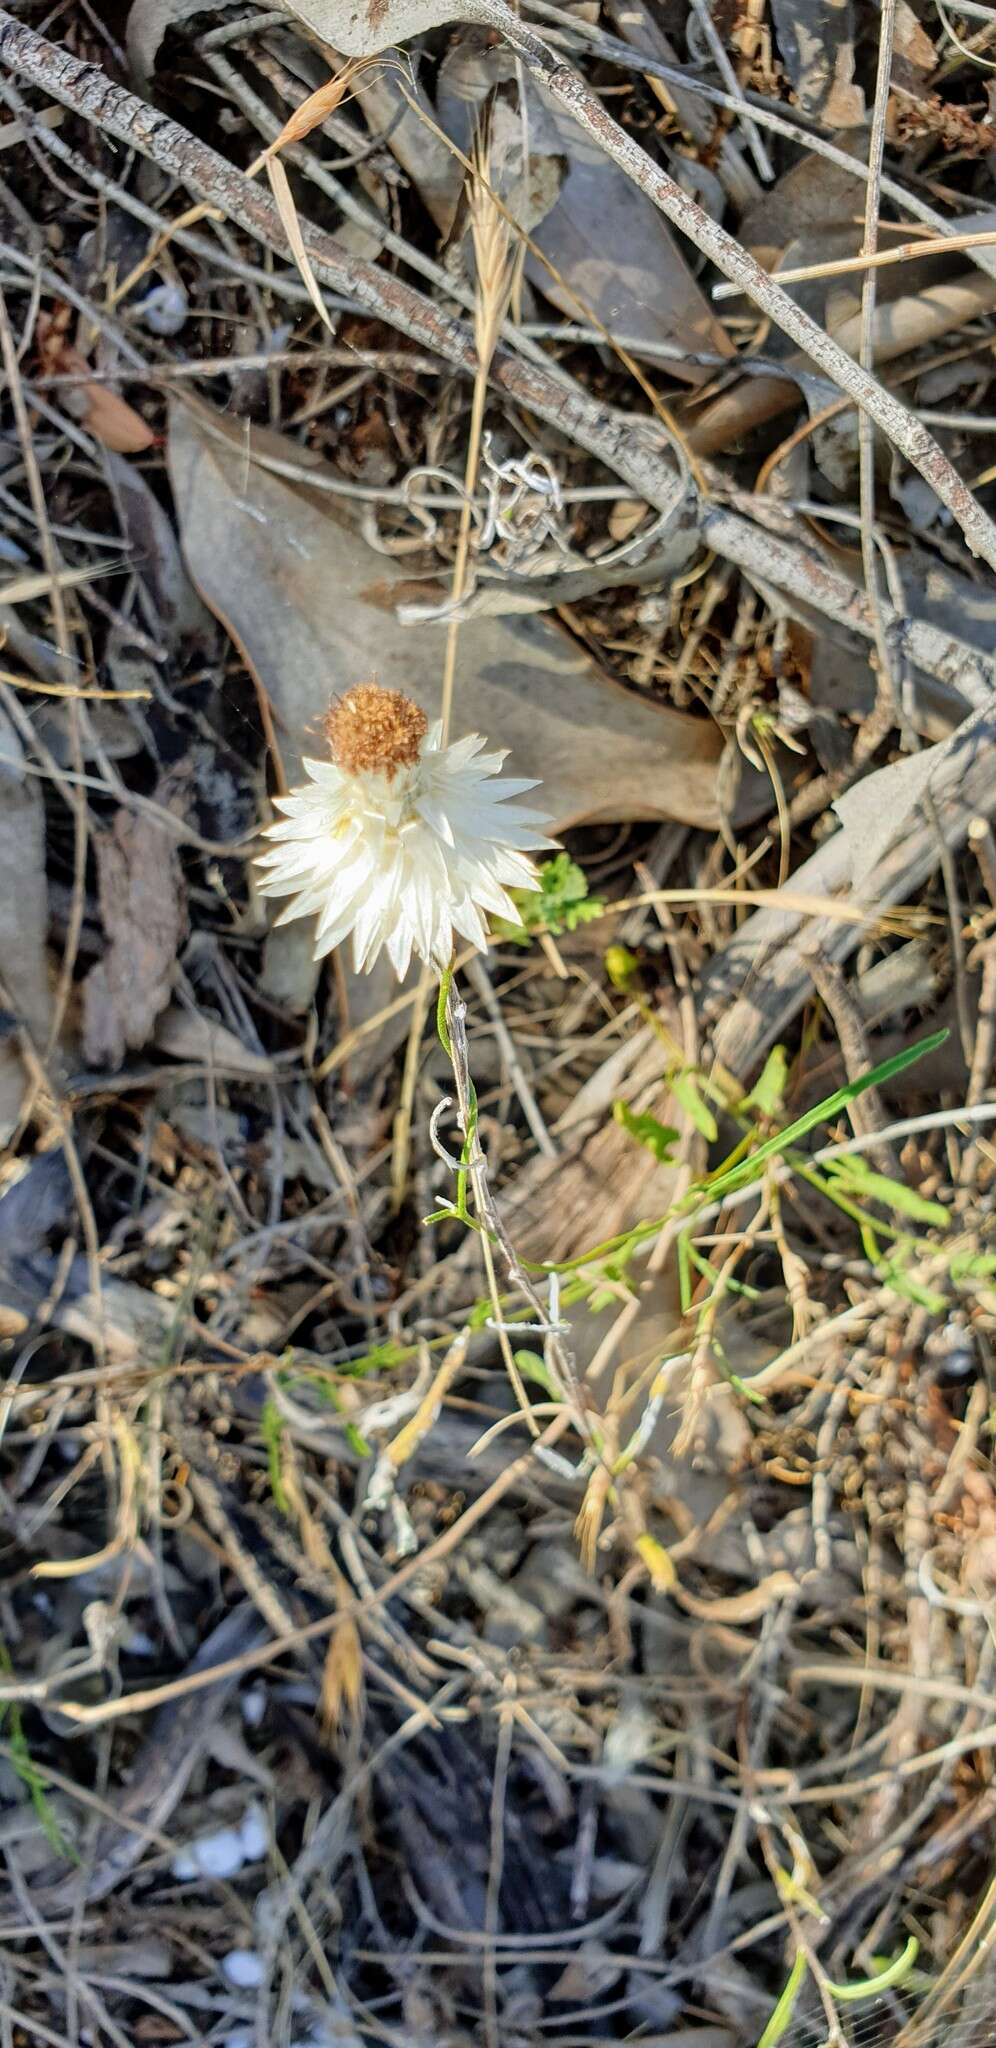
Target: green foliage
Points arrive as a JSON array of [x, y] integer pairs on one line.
[[886, 1979], [533, 1367], [559, 905], [862, 1184], [741, 1176], [895, 1273], [969, 1265], [684, 1086], [271, 1424], [781, 2018], [621, 966], [383, 1357], [768, 1092], [442, 1000], [30, 1774], [658, 1138]]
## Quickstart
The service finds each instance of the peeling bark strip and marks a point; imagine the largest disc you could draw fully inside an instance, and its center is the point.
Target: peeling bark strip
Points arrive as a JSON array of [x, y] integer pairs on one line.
[[634, 448]]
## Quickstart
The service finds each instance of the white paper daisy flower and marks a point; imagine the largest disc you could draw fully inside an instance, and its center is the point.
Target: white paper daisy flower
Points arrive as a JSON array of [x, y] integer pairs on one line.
[[399, 839]]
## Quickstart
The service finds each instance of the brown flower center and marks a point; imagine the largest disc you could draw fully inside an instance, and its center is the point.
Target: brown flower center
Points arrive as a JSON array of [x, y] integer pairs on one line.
[[374, 730]]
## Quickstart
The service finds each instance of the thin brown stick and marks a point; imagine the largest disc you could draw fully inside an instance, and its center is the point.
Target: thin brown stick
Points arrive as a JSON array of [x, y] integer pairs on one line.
[[867, 1113], [879, 259], [638, 456], [768, 555], [866, 357], [54, 572], [119, 113], [903, 429]]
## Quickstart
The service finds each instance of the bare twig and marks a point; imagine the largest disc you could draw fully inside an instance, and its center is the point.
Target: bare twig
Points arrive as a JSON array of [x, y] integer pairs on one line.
[[636, 454], [866, 355], [867, 1112], [901, 426]]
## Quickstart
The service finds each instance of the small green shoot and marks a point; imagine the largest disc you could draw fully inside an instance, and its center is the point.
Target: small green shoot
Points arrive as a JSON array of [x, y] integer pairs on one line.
[[271, 1424], [29, 1772], [821, 1113], [781, 2018], [659, 1138], [967, 1265], [768, 1092], [622, 967], [895, 1275], [684, 1086], [894, 1973], [853, 1172], [560, 904], [442, 1002], [533, 1367]]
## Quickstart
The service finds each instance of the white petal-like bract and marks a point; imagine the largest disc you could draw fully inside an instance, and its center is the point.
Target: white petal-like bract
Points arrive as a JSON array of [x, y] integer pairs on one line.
[[404, 855]]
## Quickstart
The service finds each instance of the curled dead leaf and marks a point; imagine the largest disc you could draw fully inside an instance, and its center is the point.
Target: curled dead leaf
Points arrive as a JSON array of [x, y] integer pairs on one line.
[[102, 411]]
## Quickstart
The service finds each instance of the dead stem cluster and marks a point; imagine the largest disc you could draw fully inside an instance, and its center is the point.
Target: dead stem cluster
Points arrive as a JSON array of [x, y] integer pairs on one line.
[[499, 1520]]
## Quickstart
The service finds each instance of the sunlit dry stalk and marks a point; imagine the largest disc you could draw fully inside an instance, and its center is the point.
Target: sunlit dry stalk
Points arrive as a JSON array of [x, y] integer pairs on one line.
[[703, 1372], [591, 1514], [309, 115], [527, 245], [341, 1697], [495, 259], [496, 264]]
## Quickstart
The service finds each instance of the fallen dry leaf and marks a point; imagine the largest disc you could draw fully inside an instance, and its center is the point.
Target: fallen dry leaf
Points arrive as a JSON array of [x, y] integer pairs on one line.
[[303, 597], [188, 1035], [140, 887], [103, 412]]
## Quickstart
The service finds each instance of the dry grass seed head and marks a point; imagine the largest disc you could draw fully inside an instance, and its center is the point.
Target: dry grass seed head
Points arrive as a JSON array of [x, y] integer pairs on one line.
[[493, 255]]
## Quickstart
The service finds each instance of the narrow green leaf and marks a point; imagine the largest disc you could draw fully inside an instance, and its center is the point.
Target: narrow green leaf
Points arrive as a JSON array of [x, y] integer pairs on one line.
[[782, 2016], [685, 1089], [442, 1029], [973, 1266], [684, 1271], [271, 1424], [658, 1138], [903, 1284], [821, 1113], [768, 1092], [894, 1973], [893, 1194], [533, 1367]]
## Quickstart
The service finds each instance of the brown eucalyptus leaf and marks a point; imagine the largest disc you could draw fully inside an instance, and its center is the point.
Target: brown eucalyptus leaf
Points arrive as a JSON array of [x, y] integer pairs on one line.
[[142, 907], [304, 598], [816, 44]]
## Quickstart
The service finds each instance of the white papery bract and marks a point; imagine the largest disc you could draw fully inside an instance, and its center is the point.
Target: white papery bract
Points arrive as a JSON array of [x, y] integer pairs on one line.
[[405, 854]]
